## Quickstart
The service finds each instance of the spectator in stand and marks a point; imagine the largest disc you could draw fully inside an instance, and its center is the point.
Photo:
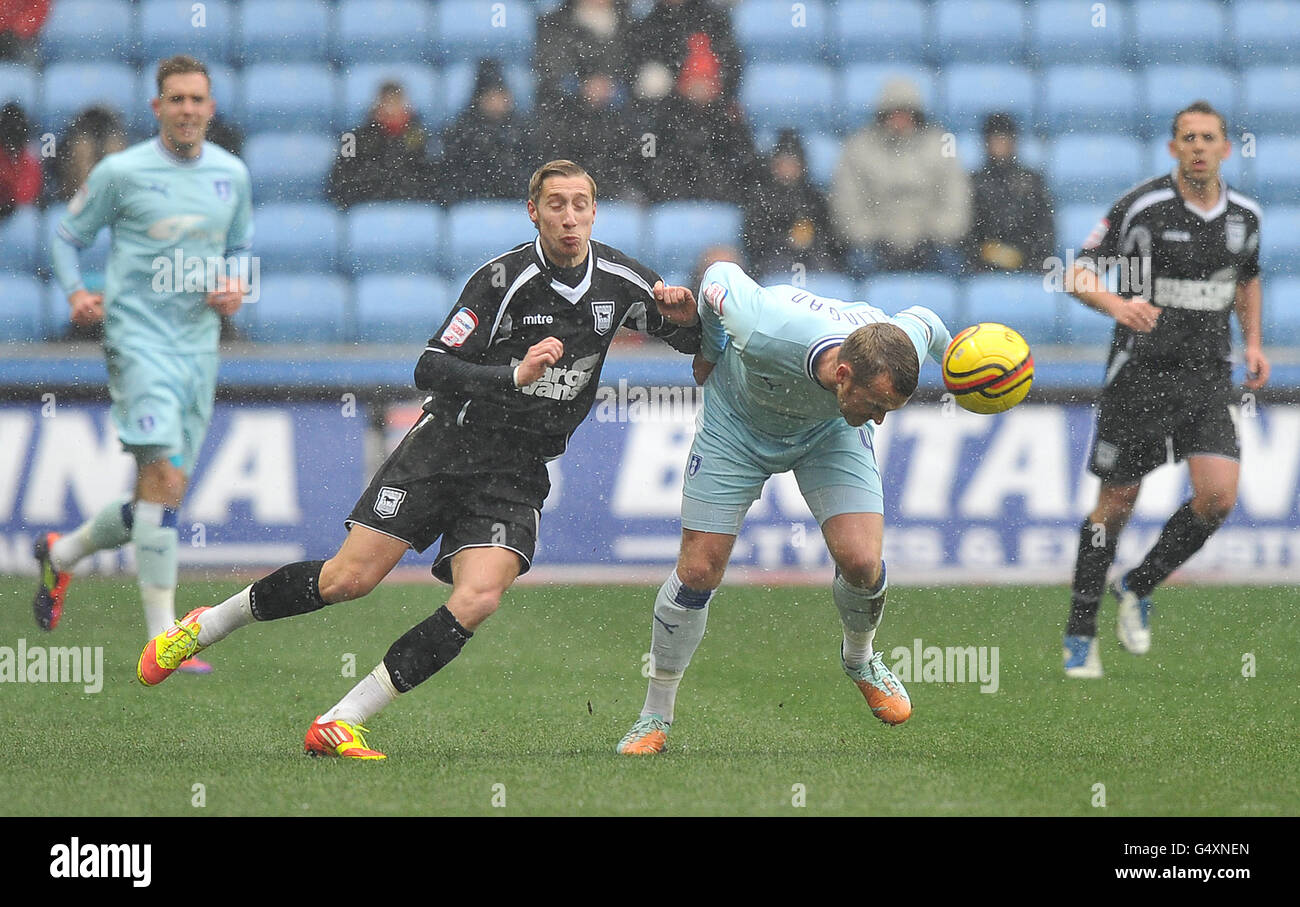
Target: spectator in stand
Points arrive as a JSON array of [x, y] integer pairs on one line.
[[788, 222], [900, 200], [489, 150], [92, 135], [20, 170], [1011, 222], [581, 36], [704, 148], [389, 160], [674, 29], [590, 126], [20, 22]]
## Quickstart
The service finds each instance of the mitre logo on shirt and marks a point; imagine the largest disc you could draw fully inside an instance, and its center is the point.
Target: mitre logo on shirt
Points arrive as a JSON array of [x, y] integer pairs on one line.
[[459, 328], [561, 383]]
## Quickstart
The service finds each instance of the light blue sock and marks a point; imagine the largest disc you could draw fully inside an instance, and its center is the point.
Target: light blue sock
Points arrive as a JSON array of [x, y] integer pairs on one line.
[[679, 619], [109, 528]]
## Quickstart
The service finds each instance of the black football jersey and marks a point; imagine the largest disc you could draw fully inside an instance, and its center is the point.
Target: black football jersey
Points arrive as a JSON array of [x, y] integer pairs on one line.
[[1182, 259], [511, 303]]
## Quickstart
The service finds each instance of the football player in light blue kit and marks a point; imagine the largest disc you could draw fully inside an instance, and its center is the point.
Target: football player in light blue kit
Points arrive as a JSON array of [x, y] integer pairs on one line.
[[793, 381], [180, 212]]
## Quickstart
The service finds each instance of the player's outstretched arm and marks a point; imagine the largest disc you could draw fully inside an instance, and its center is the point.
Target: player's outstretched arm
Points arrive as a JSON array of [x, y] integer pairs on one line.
[[1137, 314], [1249, 314]]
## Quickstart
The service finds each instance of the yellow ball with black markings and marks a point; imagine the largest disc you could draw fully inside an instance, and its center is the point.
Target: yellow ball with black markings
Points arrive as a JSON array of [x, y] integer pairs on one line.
[[988, 368]]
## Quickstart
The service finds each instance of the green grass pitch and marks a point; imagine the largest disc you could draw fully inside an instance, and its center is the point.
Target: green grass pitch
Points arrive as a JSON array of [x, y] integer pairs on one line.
[[525, 721]]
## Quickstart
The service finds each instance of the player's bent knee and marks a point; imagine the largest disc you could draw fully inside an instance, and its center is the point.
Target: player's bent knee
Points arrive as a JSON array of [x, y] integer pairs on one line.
[[1214, 508], [344, 582], [700, 575], [861, 571], [475, 604]]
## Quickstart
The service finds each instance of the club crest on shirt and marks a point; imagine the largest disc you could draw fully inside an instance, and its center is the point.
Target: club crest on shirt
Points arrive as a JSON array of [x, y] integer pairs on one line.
[[222, 188], [603, 312], [693, 465], [388, 501], [1235, 233], [462, 324]]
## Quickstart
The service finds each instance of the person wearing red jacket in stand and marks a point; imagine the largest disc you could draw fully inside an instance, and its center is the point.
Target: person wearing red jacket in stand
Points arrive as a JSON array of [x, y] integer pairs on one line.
[[20, 22], [20, 170]]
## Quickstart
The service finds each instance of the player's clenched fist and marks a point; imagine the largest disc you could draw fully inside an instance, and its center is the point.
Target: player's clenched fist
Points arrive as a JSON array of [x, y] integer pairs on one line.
[[228, 296], [1138, 315], [540, 356], [677, 304], [87, 307]]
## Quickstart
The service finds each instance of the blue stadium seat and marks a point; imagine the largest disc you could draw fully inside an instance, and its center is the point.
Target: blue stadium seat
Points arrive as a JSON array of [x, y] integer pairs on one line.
[[862, 83], [1266, 31], [372, 31], [1090, 167], [1077, 98], [1280, 243], [289, 166], [1016, 300], [94, 260], [458, 86], [1169, 87], [89, 30], [975, 90], [1179, 31], [401, 308], [296, 236], [1277, 170], [621, 225], [1282, 312], [1075, 222], [831, 284], [822, 151], [1069, 30], [470, 29], [1085, 325], [481, 230], [978, 31], [421, 84], [887, 30], [1159, 161], [285, 31], [19, 83], [776, 31], [208, 31], [308, 307], [936, 292], [1031, 150], [294, 97], [72, 87], [789, 94], [19, 241], [1270, 99], [681, 231], [22, 317], [394, 236]]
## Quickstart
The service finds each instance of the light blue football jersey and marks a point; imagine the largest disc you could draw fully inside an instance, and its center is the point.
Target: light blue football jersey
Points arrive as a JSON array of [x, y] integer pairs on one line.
[[163, 211], [765, 341]]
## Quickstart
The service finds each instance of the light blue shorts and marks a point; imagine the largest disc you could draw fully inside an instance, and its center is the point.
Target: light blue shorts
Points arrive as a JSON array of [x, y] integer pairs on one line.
[[834, 464], [162, 402]]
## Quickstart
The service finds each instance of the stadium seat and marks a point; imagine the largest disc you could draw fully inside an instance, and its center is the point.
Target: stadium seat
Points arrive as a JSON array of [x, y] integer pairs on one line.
[[422, 85], [1017, 300], [974, 90], [1074, 223], [936, 292], [1069, 30], [1280, 241], [1082, 324], [470, 29], [1281, 321], [478, 231], [777, 30], [802, 95], [1270, 100], [458, 86], [621, 225], [681, 231], [285, 31], [1089, 167], [402, 309], [1079, 98], [289, 166], [18, 241], [1277, 169], [394, 236], [72, 87], [208, 30], [1180, 31], [1169, 87], [22, 317], [307, 307], [94, 260], [831, 284], [388, 31], [19, 83], [296, 236], [1159, 161], [89, 30], [1031, 150], [886, 30], [290, 97], [1266, 31], [822, 150], [862, 83], [977, 31]]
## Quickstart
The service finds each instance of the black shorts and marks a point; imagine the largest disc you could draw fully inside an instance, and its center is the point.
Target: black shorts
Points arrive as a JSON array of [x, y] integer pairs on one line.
[[1146, 414], [473, 490]]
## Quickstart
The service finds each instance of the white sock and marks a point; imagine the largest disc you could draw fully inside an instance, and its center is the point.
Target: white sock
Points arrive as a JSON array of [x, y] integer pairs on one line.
[[159, 608], [220, 621], [680, 616], [661, 695], [365, 700], [857, 647], [70, 548]]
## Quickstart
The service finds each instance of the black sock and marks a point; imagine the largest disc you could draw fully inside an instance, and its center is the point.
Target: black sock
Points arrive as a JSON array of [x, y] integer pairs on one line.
[[1096, 552], [425, 649], [1182, 537], [294, 589]]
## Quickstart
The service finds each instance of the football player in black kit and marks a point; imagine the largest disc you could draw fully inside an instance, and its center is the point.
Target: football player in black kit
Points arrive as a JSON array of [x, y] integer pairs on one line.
[[511, 374], [1189, 247]]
